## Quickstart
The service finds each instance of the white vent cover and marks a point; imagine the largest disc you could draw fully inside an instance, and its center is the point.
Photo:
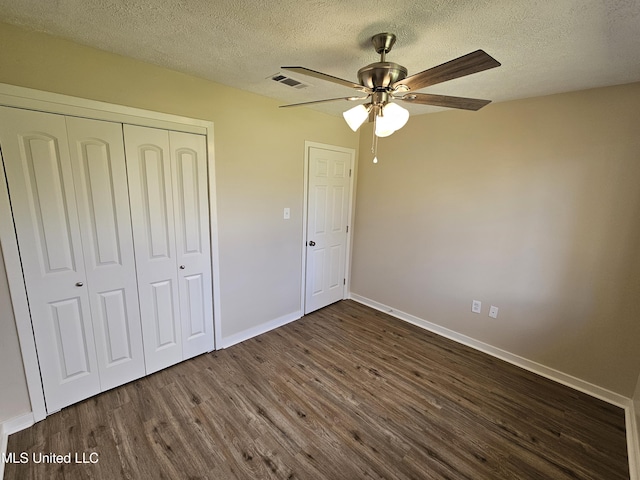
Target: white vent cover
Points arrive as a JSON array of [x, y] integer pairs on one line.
[[291, 82]]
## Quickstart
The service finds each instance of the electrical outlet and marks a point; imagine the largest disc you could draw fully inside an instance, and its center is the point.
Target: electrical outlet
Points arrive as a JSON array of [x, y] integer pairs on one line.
[[493, 312], [476, 306]]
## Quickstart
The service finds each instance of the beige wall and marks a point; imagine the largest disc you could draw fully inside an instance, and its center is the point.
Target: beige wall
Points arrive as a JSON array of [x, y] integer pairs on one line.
[[530, 205], [259, 152]]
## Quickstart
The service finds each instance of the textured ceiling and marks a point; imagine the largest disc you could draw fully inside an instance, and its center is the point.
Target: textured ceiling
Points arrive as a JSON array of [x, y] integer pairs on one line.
[[544, 46]]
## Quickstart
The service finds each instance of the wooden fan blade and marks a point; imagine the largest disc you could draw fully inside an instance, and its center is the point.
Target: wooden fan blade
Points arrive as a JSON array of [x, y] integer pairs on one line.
[[460, 67], [351, 99], [328, 78], [445, 101]]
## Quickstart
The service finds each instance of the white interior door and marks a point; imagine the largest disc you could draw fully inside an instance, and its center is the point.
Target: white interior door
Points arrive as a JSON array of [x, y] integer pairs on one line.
[[39, 175], [150, 187], [191, 208], [99, 169], [327, 218]]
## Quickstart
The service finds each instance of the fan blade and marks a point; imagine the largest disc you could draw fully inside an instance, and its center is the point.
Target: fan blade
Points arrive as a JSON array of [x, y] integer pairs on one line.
[[351, 99], [328, 78], [445, 101], [462, 66]]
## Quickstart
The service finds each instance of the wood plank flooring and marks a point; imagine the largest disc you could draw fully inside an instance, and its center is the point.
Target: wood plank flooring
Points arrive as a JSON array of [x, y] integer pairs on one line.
[[344, 393]]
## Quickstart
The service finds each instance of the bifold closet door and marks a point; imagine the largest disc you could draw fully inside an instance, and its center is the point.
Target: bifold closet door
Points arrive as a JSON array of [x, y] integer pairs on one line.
[[193, 247], [149, 173], [169, 208], [40, 179], [68, 187], [100, 178]]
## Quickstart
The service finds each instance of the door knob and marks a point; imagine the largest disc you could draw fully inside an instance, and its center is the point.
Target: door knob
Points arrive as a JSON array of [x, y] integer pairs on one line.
[[79, 284], [182, 267], [312, 243]]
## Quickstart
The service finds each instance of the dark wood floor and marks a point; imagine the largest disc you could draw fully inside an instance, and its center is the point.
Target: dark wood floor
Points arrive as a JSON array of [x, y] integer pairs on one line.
[[344, 393]]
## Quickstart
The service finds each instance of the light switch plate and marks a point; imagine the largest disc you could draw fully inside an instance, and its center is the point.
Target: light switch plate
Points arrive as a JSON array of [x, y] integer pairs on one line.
[[476, 306], [493, 312], [287, 213]]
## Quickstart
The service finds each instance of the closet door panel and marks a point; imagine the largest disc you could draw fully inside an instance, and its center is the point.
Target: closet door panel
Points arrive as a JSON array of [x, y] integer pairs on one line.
[[189, 159], [150, 187], [37, 163], [166, 331], [97, 157]]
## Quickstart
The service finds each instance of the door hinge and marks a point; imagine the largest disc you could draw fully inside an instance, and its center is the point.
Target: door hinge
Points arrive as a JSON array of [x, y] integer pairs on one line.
[[344, 281], [349, 173], [347, 228]]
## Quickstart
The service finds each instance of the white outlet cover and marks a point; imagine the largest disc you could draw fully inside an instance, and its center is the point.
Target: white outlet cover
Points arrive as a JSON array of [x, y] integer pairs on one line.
[[493, 312], [287, 213]]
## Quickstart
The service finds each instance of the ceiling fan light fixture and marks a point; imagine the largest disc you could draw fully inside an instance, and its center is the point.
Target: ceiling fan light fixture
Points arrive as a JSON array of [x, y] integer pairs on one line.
[[396, 115], [383, 81], [356, 116], [393, 118], [382, 130]]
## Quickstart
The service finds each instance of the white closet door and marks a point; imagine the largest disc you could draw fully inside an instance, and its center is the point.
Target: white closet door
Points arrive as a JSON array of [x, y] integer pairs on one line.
[[151, 192], [99, 169], [189, 161], [36, 157]]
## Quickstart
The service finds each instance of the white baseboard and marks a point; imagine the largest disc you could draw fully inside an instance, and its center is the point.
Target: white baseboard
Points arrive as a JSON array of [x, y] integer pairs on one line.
[[550, 373], [633, 441], [226, 342], [9, 427]]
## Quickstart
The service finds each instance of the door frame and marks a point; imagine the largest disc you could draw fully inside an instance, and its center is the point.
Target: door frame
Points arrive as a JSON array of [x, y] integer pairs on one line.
[[350, 215], [30, 99]]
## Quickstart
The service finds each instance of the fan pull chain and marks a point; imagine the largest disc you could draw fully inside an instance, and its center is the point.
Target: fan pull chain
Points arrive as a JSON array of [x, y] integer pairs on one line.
[[374, 140]]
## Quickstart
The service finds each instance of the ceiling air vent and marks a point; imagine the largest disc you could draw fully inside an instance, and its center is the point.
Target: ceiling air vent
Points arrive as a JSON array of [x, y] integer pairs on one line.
[[291, 82]]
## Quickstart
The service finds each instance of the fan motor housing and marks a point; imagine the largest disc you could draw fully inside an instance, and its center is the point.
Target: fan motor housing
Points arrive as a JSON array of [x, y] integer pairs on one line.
[[381, 74]]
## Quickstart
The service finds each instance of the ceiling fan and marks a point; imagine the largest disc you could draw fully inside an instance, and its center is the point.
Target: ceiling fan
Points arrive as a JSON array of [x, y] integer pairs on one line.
[[383, 81]]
